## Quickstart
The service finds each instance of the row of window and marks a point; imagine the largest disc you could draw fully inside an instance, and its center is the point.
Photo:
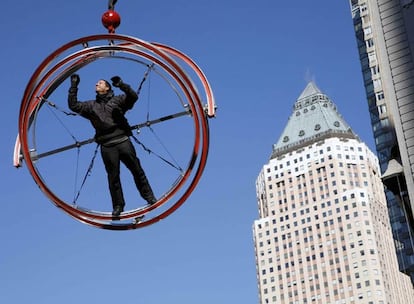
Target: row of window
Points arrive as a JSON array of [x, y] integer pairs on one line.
[[323, 204], [301, 166], [321, 259], [315, 154], [301, 182], [305, 218], [368, 294]]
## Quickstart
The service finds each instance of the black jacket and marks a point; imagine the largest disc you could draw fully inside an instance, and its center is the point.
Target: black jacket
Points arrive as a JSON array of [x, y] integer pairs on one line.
[[106, 112]]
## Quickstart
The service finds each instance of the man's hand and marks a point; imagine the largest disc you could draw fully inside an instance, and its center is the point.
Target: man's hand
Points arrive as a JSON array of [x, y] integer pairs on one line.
[[116, 81], [74, 80]]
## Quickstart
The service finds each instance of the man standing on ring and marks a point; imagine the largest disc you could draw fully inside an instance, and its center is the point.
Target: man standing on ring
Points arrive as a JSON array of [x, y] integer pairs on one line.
[[107, 115]]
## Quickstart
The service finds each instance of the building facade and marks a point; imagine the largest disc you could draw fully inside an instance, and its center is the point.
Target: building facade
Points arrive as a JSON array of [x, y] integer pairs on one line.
[[384, 31], [323, 233]]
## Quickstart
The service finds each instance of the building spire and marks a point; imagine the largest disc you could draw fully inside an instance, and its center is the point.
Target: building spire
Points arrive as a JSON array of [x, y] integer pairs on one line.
[[311, 89], [314, 118]]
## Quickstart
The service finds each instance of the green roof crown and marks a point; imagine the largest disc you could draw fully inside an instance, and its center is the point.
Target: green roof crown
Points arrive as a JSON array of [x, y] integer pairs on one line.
[[314, 118]]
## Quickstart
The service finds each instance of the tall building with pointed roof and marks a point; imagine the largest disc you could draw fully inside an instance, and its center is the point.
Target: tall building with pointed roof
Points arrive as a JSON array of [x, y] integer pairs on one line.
[[322, 121], [323, 233]]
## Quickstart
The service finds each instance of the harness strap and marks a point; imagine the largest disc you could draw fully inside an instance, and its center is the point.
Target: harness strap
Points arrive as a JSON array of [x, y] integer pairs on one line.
[[145, 77], [159, 156], [88, 173]]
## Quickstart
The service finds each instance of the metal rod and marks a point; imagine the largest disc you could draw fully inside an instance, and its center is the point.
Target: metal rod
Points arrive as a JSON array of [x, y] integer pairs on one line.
[[91, 140]]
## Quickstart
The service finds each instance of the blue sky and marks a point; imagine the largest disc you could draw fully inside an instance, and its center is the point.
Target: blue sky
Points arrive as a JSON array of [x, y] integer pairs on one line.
[[258, 57]]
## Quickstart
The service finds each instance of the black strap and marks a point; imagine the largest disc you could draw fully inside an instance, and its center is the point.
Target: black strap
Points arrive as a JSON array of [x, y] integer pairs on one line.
[[53, 105], [88, 173], [159, 156], [145, 77]]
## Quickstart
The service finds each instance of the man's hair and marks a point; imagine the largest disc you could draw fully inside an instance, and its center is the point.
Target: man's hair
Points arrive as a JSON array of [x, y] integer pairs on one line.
[[108, 84]]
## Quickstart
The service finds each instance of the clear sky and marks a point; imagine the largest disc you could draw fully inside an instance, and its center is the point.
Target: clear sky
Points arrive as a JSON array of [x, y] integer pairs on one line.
[[258, 57]]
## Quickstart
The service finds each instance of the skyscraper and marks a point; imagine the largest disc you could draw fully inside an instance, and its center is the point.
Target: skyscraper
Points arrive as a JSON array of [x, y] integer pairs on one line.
[[384, 31], [323, 233]]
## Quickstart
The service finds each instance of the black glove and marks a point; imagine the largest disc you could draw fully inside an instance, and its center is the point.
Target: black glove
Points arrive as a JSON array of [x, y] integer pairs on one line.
[[116, 81], [74, 80]]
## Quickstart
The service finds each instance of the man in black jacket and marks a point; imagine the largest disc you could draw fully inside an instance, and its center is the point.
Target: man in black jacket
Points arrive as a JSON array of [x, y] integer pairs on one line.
[[112, 131]]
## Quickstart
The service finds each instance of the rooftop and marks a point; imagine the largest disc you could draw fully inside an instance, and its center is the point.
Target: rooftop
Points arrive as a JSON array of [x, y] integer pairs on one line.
[[314, 117]]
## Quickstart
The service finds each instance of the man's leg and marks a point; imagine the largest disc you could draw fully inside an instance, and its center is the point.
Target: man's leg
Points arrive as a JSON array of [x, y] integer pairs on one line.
[[110, 157], [129, 158]]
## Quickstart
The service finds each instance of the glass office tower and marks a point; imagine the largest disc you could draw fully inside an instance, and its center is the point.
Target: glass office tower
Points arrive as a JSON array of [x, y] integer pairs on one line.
[[384, 33]]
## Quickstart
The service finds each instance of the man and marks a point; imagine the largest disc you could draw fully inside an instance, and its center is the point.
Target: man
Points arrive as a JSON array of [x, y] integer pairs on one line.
[[112, 131]]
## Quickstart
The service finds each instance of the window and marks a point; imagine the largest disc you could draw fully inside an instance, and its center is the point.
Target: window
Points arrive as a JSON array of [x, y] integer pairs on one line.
[[377, 83], [372, 56], [380, 95]]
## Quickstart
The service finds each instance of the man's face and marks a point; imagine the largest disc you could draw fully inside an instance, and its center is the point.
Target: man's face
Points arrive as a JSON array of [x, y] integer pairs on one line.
[[101, 87]]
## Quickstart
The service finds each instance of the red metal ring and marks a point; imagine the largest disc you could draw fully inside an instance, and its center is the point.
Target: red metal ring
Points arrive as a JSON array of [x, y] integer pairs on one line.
[[40, 83]]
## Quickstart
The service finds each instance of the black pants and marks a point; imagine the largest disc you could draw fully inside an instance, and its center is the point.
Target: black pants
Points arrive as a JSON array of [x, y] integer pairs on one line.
[[112, 157]]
